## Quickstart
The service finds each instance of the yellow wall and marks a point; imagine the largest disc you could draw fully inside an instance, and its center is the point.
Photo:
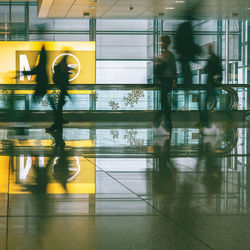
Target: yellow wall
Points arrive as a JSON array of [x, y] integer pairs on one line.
[[10, 56]]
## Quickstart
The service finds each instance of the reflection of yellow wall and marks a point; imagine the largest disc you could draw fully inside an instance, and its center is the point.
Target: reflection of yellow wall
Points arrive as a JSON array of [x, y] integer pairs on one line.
[[48, 143], [23, 92], [83, 183], [4, 174], [86, 51], [30, 92]]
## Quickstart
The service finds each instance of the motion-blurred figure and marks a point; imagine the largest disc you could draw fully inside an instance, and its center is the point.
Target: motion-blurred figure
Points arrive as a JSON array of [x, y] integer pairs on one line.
[[186, 48], [41, 178], [58, 165], [61, 80], [213, 69], [38, 188], [166, 71], [60, 168], [164, 177], [212, 178], [42, 79]]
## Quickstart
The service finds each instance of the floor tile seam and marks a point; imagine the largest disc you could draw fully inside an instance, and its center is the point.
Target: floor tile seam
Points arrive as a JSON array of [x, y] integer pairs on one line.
[[220, 193], [8, 209], [131, 191], [237, 185], [58, 200], [123, 185], [82, 215], [186, 230], [225, 215], [107, 173], [86, 200], [173, 221], [200, 172], [225, 181], [119, 215], [67, 195], [196, 199], [208, 213]]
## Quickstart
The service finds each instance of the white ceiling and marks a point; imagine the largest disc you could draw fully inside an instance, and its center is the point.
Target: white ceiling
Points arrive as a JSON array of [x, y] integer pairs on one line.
[[141, 8]]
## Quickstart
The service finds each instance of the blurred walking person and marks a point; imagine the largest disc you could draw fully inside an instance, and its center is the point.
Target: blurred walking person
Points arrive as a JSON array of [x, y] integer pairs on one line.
[[61, 80], [163, 174], [167, 75], [42, 79], [213, 69], [186, 48]]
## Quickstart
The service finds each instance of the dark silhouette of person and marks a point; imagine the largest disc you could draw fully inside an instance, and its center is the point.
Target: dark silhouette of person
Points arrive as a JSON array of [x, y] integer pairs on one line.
[[167, 75], [186, 48], [213, 69], [212, 178], [61, 167], [164, 176], [61, 80], [42, 79], [58, 162], [41, 178]]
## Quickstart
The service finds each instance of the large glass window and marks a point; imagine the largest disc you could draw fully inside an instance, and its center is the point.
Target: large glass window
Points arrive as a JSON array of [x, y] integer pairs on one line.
[[125, 48], [122, 71], [4, 22], [57, 29]]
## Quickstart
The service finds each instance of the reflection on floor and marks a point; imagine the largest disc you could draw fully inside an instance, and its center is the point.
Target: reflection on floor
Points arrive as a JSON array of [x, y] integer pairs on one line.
[[124, 187]]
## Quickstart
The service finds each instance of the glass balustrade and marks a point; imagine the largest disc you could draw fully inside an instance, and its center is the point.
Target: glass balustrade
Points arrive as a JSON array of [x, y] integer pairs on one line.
[[118, 141], [126, 98]]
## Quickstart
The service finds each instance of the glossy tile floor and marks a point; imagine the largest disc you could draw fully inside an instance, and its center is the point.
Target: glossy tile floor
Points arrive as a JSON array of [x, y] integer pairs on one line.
[[125, 187]]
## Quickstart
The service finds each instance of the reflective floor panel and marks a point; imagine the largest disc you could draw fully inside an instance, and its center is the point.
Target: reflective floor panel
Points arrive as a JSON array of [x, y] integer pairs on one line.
[[125, 187]]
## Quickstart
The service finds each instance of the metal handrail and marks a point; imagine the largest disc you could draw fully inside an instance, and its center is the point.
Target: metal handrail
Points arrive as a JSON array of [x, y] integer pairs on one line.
[[108, 86]]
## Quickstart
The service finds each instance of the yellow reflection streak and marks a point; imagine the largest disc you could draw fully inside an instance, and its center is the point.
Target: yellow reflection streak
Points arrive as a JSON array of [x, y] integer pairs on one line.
[[82, 183]]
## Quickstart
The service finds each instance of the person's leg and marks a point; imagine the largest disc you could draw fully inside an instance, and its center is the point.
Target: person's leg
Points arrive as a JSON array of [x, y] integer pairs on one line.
[[168, 113], [209, 96], [61, 102], [158, 118], [56, 113], [166, 105], [168, 110], [187, 74], [164, 101]]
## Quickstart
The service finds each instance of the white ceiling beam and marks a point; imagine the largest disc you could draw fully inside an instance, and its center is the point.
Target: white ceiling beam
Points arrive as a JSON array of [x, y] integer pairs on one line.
[[44, 8]]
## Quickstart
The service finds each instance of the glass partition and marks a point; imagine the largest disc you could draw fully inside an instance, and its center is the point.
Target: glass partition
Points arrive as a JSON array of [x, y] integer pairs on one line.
[[125, 48]]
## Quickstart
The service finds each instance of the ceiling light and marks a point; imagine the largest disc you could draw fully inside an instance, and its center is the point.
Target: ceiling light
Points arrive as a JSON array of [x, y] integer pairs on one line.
[[169, 8], [180, 1]]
